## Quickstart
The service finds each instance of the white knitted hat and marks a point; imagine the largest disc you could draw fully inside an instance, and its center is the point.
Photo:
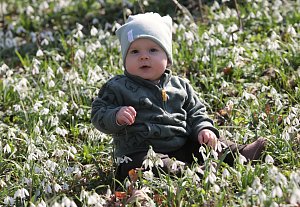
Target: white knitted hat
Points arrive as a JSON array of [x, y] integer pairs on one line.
[[149, 25]]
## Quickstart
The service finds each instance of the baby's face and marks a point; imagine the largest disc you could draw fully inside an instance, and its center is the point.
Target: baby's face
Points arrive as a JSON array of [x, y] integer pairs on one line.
[[146, 59]]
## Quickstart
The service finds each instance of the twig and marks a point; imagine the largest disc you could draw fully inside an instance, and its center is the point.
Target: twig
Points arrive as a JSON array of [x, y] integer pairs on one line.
[[200, 9], [141, 6], [184, 10], [239, 16]]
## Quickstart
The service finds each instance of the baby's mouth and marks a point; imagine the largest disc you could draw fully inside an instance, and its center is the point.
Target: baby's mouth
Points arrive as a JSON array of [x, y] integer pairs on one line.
[[145, 67]]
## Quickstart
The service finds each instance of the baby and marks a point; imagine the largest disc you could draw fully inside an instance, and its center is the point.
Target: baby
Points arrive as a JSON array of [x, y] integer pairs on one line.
[[148, 106]]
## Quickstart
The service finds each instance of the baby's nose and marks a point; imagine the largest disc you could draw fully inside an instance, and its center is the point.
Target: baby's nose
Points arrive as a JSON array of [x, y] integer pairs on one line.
[[144, 56]]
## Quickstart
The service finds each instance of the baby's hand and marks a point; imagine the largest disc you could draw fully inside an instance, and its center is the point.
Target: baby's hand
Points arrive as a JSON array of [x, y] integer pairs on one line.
[[126, 115], [207, 137]]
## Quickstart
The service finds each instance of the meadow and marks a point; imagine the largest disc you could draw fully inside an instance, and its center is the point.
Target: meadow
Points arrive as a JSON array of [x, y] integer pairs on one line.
[[56, 54]]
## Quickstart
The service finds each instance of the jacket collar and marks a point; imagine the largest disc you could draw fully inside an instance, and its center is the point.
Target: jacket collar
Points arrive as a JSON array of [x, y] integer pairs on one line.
[[163, 80]]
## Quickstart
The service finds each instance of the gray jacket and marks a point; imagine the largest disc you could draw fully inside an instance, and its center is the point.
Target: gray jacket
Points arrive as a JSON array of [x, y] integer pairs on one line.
[[168, 113]]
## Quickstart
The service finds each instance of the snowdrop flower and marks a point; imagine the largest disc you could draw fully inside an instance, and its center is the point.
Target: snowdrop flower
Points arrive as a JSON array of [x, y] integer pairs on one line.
[[277, 16], [277, 192], [79, 55], [2, 183], [177, 164], [35, 68], [36, 106], [94, 31], [158, 162], [42, 204], [148, 175], [68, 203], [152, 159], [51, 84], [295, 177], [248, 96], [193, 175], [39, 53], [202, 150], [216, 188], [51, 165], [123, 159], [225, 173], [9, 201], [147, 163], [65, 186], [48, 189], [7, 149], [44, 111], [256, 185], [269, 159], [45, 42], [189, 36], [93, 199], [108, 193], [242, 159], [211, 178], [64, 109], [17, 107], [205, 58], [60, 131], [295, 197], [79, 27], [291, 30], [43, 6], [21, 193], [29, 10]]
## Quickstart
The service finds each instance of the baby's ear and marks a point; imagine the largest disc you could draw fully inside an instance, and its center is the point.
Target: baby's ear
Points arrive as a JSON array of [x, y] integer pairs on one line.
[[169, 63]]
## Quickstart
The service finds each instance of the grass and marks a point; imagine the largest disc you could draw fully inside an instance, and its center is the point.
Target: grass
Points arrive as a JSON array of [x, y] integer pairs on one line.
[[54, 57]]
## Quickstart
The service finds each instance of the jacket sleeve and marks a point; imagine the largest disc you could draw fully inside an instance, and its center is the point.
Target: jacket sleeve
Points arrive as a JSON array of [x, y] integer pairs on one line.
[[197, 117], [104, 109]]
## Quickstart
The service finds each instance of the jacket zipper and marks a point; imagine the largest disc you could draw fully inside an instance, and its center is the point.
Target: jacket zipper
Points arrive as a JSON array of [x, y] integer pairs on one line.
[[164, 97]]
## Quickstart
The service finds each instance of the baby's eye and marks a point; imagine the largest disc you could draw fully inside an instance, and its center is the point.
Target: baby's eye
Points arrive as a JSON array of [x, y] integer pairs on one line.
[[153, 50], [134, 51]]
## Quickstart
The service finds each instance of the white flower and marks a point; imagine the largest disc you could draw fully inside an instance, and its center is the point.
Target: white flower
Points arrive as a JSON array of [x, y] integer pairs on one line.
[[93, 199], [94, 31], [291, 30], [48, 189], [176, 164], [64, 109], [79, 55], [148, 175], [44, 111], [202, 150], [216, 188], [39, 53], [66, 202], [62, 132], [51, 165], [277, 192], [225, 173], [7, 149], [242, 159], [158, 162], [21, 193], [123, 159], [42, 204], [211, 178], [29, 10], [147, 163], [79, 27], [9, 201], [295, 197], [205, 59], [269, 159]]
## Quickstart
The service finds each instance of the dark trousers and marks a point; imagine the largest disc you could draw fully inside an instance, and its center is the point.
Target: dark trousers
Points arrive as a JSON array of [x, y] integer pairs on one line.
[[186, 154]]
